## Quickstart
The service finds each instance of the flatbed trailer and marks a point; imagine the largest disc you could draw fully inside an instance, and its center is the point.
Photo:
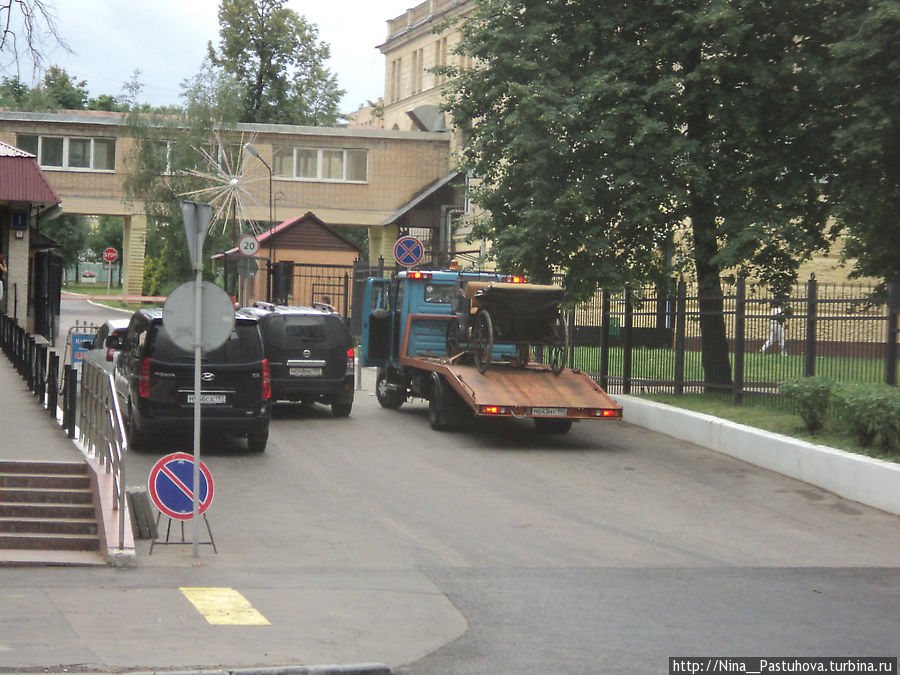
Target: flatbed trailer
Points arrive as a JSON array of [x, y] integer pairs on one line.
[[404, 328]]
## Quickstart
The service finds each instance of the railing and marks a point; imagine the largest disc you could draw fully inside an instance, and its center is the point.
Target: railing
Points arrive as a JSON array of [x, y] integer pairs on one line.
[[103, 431]]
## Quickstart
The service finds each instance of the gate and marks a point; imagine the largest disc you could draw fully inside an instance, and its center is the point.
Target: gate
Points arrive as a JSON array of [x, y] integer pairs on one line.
[[304, 283]]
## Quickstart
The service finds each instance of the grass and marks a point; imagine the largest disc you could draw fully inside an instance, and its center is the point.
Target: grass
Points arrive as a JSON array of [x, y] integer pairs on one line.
[[764, 415]]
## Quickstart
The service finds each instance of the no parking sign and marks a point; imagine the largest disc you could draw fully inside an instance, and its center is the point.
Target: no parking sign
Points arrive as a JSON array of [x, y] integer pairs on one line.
[[171, 486], [408, 251]]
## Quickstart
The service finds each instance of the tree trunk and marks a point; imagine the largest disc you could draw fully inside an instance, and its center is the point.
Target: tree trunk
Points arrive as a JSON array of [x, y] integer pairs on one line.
[[713, 338]]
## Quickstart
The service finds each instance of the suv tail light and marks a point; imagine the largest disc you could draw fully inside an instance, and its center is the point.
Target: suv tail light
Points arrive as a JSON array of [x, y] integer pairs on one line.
[[144, 379], [350, 356], [109, 353], [266, 380]]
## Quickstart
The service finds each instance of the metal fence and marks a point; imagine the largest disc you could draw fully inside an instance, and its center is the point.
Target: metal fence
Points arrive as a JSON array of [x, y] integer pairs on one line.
[[642, 341]]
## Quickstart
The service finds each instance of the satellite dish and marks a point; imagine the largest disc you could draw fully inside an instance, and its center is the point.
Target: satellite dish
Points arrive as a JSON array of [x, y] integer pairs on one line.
[[216, 322], [428, 118]]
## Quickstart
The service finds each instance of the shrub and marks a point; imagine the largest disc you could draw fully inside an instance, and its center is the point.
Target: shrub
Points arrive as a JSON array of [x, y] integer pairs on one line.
[[852, 405], [812, 395]]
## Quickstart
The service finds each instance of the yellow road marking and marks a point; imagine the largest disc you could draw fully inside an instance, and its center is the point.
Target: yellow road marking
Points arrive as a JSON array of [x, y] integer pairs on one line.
[[224, 607]]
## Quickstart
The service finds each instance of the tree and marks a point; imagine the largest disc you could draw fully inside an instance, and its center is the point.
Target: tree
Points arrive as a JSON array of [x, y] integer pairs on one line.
[[865, 188], [604, 138], [65, 91], [71, 233], [25, 26], [274, 54]]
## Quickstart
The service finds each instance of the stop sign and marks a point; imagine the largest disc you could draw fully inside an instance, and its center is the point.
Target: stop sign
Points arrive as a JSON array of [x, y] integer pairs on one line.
[[110, 255]]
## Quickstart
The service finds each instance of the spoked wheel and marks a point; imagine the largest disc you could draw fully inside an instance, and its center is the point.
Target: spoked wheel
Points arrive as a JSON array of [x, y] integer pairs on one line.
[[482, 340], [560, 342], [452, 338]]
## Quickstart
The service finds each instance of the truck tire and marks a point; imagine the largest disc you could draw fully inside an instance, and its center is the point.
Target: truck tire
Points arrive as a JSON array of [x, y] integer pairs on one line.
[[437, 404], [388, 397], [544, 425]]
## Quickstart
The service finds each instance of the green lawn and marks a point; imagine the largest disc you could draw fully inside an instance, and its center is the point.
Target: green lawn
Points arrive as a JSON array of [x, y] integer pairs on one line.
[[100, 289], [659, 364], [765, 416]]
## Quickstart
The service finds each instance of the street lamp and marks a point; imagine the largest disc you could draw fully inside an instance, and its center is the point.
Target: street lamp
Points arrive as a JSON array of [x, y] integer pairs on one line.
[[251, 150]]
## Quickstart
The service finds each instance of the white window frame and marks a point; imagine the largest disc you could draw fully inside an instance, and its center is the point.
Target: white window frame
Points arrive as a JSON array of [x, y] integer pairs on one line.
[[65, 152], [319, 165]]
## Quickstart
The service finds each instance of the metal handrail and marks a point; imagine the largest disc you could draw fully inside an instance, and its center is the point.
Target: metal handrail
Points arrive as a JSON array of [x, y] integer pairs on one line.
[[103, 431]]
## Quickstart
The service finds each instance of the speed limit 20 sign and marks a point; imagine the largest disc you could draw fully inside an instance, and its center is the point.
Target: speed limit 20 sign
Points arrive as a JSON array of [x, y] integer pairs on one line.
[[248, 245]]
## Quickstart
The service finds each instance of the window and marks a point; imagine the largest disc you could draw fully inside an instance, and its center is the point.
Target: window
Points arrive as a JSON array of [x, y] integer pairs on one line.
[[344, 166], [61, 152]]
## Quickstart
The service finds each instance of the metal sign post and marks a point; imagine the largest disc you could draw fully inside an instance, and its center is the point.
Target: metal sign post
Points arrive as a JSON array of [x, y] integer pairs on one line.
[[196, 221]]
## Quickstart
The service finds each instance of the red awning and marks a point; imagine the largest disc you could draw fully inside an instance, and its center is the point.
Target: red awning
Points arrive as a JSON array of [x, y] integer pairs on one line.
[[21, 179]]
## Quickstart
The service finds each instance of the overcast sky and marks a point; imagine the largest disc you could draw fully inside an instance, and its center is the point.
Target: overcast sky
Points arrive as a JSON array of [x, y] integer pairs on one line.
[[166, 41]]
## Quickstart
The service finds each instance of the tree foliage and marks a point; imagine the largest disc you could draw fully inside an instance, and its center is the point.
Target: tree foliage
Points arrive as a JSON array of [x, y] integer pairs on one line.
[[862, 83], [71, 233], [603, 139], [275, 56]]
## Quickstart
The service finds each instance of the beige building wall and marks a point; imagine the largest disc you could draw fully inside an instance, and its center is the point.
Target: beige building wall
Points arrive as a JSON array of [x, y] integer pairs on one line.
[[399, 165], [15, 286], [411, 49]]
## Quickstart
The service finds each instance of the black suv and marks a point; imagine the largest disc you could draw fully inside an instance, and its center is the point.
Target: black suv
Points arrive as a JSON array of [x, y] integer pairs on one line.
[[155, 382], [310, 354]]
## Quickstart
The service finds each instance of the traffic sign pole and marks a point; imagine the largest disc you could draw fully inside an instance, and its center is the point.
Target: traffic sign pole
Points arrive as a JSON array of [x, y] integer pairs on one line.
[[196, 220]]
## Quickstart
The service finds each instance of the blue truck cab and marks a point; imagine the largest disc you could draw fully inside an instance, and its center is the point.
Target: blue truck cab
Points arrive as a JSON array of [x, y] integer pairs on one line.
[[408, 315]]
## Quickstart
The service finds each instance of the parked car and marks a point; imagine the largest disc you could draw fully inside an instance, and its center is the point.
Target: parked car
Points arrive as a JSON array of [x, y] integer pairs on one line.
[[107, 343], [310, 354], [155, 382]]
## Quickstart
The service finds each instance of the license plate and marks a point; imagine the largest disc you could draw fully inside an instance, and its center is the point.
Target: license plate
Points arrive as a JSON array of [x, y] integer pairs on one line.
[[305, 372], [208, 399], [549, 412]]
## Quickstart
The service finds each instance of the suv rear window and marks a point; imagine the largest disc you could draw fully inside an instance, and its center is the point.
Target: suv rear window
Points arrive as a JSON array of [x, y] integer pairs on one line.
[[242, 346], [297, 330]]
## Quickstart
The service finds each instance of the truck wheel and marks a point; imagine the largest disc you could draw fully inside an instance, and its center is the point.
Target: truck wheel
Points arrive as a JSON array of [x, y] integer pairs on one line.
[[437, 413], [549, 426], [482, 340], [388, 397]]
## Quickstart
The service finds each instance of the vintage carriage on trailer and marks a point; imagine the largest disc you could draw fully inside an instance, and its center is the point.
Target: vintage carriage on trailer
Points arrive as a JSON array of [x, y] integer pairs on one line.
[[505, 313]]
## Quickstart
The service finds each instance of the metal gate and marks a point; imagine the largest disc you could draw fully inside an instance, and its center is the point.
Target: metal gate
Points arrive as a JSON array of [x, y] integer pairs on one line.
[[304, 283]]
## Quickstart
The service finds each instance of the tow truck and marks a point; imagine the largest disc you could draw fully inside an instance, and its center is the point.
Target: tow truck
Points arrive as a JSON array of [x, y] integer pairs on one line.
[[412, 334]]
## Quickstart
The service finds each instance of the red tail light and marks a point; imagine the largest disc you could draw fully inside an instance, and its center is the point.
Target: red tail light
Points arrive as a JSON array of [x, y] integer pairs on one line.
[[266, 381], [513, 280], [109, 353], [144, 379], [350, 355], [419, 275]]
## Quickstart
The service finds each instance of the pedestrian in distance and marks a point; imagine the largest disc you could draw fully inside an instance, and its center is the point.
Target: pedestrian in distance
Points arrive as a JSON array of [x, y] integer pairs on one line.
[[777, 321]]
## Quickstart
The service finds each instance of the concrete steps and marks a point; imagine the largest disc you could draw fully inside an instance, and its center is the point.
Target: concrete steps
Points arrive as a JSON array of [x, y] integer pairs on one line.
[[46, 507]]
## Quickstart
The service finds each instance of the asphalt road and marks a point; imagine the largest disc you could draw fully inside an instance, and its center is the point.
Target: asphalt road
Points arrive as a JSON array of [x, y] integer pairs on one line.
[[491, 550]]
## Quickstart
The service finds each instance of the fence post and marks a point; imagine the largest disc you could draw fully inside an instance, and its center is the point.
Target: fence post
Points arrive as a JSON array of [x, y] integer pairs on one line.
[[740, 312], [680, 319], [893, 310], [69, 397], [53, 383], [812, 305], [346, 296], [626, 343], [604, 339]]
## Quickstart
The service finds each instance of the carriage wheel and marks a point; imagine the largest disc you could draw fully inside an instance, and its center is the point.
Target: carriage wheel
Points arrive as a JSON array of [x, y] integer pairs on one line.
[[482, 340], [452, 337], [558, 348]]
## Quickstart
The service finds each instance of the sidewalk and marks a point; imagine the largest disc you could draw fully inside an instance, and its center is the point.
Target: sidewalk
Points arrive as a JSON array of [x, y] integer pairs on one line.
[[27, 430]]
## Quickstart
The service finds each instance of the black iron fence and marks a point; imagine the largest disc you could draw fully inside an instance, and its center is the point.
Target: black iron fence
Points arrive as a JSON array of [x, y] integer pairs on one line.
[[39, 367], [642, 341]]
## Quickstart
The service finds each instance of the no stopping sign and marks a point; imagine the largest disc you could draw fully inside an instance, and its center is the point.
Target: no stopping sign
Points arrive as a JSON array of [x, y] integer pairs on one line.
[[171, 486]]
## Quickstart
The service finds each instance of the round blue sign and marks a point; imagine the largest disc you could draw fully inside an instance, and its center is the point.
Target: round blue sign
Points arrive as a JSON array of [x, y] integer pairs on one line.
[[408, 251], [171, 486]]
